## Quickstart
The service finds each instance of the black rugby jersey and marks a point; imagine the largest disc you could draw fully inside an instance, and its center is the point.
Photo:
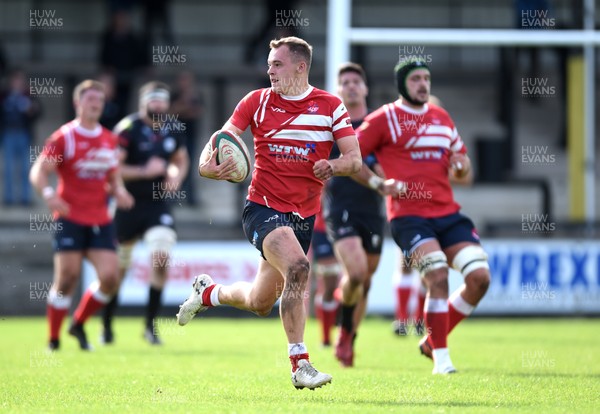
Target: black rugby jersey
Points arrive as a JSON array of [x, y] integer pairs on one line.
[[344, 193], [142, 141]]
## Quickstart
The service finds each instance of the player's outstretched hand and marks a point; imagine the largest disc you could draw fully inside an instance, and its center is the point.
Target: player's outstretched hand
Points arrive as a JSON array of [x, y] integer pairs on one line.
[[392, 187], [223, 171], [124, 199], [323, 170]]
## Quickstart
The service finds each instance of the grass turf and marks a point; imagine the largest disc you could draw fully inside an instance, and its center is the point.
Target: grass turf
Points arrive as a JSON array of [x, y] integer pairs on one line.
[[241, 366]]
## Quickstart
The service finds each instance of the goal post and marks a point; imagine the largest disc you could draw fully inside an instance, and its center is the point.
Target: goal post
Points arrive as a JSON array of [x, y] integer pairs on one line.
[[341, 36]]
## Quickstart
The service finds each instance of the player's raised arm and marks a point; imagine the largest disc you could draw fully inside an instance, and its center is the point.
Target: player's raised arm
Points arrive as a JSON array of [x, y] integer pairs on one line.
[[368, 178], [348, 163]]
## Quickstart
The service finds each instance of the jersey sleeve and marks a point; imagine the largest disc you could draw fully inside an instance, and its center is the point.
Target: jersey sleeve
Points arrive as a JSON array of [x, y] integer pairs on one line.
[[371, 133], [54, 147], [456, 142], [243, 112], [341, 124]]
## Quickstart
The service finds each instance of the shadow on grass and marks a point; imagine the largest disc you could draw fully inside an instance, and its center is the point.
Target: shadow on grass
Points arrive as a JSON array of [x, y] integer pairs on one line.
[[536, 374]]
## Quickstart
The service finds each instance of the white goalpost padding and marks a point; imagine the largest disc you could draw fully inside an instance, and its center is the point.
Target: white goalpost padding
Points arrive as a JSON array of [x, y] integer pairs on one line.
[[341, 35]]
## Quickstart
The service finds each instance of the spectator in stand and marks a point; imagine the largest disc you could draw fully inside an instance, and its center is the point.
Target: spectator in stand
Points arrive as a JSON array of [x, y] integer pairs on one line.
[[18, 110]]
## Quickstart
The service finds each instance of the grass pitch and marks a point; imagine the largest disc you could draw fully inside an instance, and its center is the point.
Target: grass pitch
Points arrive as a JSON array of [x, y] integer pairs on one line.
[[241, 366]]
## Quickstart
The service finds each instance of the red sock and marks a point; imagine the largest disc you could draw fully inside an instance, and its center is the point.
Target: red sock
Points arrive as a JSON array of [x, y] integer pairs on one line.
[[55, 318], [320, 317], [91, 301], [436, 319], [402, 296], [206, 295], [454, 317], [329, 319], [295, 358], [419, 309]]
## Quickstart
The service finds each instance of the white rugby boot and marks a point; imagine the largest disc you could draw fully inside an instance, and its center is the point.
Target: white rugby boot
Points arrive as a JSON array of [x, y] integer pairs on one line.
[[193, 305], [306, 376]]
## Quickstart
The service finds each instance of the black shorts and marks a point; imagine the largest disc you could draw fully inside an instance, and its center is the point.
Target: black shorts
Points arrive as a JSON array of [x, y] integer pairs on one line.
[[321, 246], [258, 221], [368, 226], [70, 236], [132, 224], [411, 231]]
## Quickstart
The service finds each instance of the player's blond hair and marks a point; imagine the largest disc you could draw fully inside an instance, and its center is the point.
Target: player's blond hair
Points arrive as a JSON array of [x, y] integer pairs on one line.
[[86, 85], [299, 48]]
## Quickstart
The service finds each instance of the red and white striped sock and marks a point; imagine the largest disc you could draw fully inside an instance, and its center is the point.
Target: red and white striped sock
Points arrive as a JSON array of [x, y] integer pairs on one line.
[[210, 296], [56, 309], [297, 352], [329, 312], [403, 291], [436, 319], [92, 300], [420, 304], [458, 309]]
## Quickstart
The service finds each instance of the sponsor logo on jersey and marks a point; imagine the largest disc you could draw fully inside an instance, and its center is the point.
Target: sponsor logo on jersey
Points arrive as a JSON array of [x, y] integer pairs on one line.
[[95, 163], [276, 109], [292, 150], [428, 155]]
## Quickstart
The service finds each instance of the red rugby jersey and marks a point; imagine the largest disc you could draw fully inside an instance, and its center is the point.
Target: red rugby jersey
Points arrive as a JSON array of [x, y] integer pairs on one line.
[[414, 146], [290, 134], [84, 160]]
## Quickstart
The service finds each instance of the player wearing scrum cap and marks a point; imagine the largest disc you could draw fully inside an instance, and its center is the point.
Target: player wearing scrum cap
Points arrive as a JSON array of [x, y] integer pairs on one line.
[[83, 156], [417, 142], [154, 162]]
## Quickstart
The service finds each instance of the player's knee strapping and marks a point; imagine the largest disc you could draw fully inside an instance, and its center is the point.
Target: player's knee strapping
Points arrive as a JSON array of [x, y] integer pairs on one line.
[[470, 258], [328, 270], [432, 261], [160, 239]]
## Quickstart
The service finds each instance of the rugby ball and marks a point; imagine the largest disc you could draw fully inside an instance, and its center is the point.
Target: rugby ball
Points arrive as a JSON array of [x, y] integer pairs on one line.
[[230, 145]]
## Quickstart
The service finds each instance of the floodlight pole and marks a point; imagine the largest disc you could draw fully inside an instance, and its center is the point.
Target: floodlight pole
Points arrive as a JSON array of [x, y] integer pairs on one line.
[[338, 45], [589, 111]]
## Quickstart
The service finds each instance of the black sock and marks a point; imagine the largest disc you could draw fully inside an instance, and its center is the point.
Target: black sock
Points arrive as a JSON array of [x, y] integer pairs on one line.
[[153, 305], [108, 311], [348, 317]]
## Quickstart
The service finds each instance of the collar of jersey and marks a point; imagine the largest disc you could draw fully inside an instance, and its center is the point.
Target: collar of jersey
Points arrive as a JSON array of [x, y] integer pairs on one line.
[[410, 110], [298, 97], [90, 133]]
